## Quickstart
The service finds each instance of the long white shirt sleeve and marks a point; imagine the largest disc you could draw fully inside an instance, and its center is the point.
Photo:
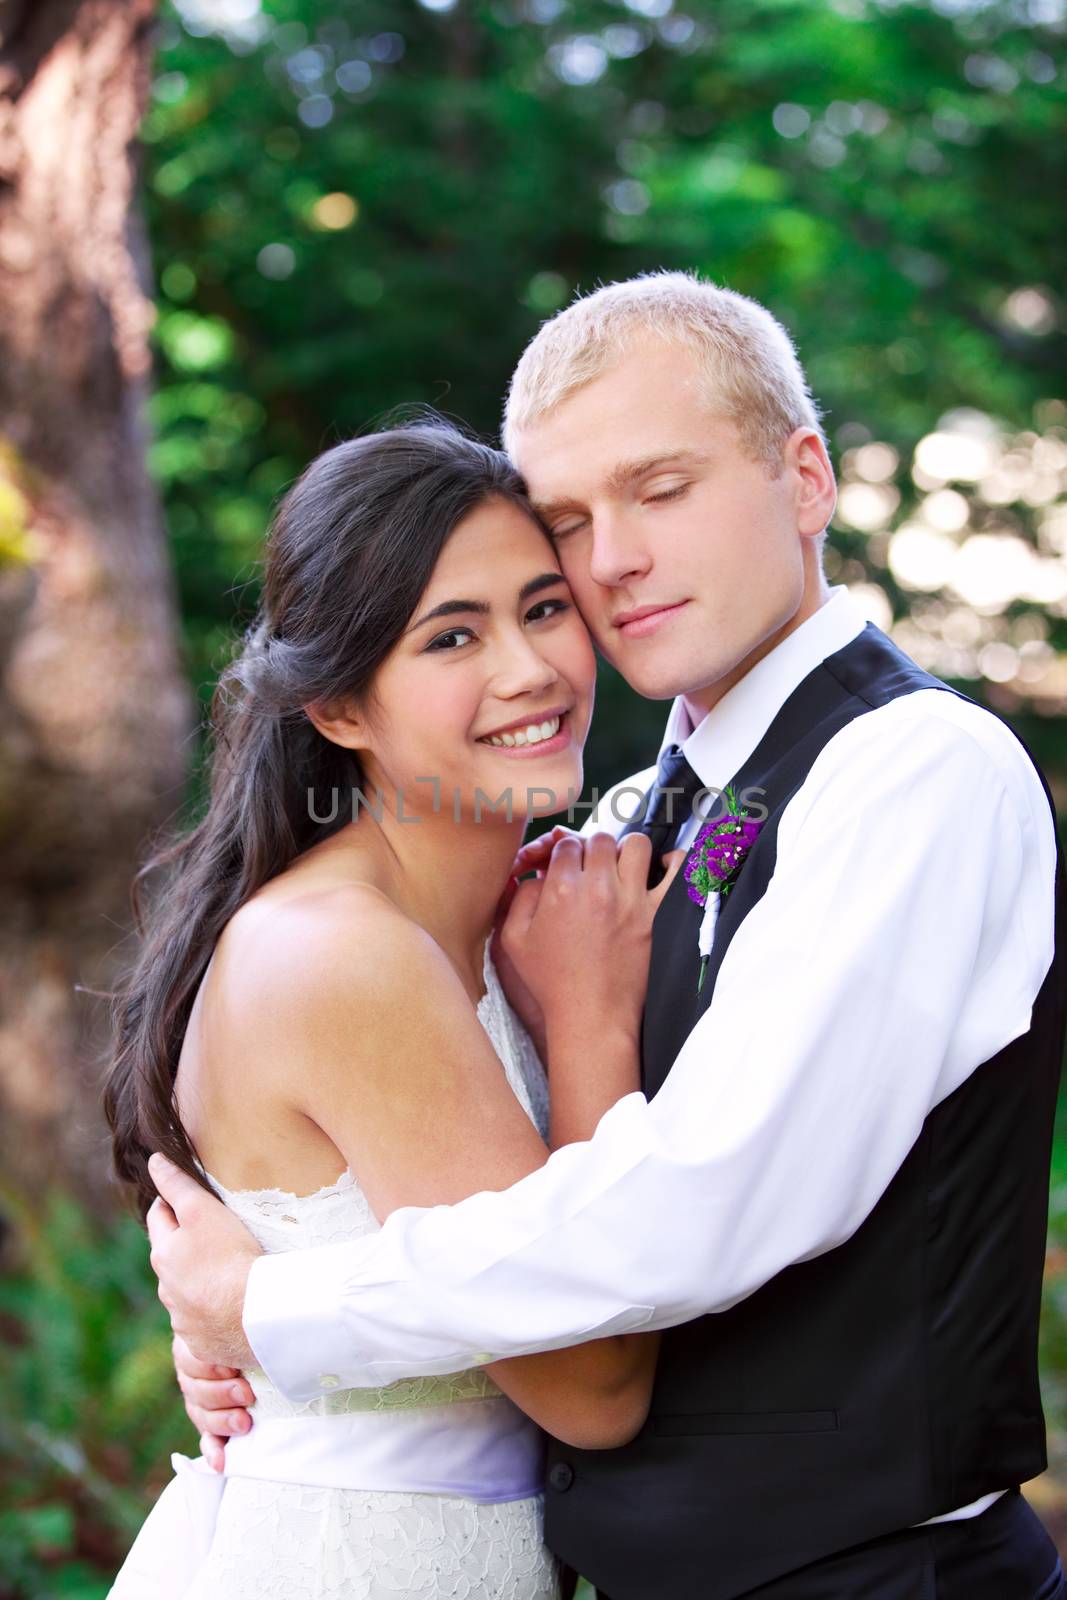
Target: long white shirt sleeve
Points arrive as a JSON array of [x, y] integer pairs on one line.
[[900, 943]]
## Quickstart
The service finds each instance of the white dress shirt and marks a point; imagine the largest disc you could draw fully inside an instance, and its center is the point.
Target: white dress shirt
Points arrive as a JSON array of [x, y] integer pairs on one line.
[[907, 928]]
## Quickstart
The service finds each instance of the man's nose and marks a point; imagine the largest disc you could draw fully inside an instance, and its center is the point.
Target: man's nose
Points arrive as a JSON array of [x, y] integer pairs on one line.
[[615, 553]]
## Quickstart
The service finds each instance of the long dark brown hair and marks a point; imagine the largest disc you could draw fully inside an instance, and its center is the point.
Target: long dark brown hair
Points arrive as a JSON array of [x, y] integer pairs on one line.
[[348, 556]]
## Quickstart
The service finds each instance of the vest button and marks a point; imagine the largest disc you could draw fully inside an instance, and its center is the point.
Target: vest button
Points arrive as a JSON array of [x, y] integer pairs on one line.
[[560, 1476]]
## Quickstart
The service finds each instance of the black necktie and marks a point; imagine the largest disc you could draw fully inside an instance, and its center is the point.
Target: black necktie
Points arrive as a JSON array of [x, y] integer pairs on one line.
[[667, 806]]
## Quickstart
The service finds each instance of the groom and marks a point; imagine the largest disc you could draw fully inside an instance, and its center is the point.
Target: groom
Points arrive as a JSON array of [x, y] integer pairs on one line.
[[834, 1196]]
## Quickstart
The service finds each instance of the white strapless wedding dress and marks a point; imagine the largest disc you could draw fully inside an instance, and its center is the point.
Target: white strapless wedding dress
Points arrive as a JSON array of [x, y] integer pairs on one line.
[[327, 1500]]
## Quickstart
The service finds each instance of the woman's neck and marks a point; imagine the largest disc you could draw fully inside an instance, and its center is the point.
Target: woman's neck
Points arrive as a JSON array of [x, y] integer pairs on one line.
[[448, 876]]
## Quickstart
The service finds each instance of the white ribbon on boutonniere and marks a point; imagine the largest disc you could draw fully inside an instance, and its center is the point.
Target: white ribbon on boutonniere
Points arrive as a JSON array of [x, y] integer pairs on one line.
[[706, 936], [712, 866]]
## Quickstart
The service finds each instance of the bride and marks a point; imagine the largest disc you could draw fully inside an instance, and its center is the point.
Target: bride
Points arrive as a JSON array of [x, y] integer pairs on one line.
[[315, 1028]]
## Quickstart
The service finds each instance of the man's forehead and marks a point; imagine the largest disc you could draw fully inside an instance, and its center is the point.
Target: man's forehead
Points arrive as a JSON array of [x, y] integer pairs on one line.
[[573, 472], [617, 395]]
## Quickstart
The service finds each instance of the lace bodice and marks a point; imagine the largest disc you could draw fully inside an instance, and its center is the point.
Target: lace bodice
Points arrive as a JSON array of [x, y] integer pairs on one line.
[[340, 1212]]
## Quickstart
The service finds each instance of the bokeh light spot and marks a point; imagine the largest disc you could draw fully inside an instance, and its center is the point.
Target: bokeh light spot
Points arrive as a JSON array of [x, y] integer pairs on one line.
[[335, 211]]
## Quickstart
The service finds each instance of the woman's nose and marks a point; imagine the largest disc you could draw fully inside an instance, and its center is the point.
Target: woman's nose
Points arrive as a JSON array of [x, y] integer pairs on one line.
[[523, 669]]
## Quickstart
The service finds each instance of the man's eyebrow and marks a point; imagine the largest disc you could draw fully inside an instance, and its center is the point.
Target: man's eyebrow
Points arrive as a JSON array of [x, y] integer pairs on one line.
[[623, 476], [481, 608], [628, 472], [547, 509]]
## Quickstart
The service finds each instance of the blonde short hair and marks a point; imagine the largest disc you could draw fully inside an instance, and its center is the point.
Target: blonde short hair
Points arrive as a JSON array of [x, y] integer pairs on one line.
[[748, 361]]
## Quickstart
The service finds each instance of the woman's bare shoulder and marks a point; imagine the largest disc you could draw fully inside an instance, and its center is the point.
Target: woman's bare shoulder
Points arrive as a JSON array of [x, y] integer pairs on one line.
[[296, 961]]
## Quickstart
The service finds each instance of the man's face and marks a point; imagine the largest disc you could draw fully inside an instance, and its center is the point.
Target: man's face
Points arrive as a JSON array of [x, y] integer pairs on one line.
[[685, 555]]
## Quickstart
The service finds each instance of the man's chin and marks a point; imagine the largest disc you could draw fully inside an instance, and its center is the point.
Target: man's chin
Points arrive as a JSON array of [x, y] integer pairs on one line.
[[653, 685], [651, 673], [700, 677]]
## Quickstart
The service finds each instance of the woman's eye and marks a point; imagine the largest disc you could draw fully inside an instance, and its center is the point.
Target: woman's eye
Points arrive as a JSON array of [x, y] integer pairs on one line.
[[670, 494], [452, 640], [547, 608]]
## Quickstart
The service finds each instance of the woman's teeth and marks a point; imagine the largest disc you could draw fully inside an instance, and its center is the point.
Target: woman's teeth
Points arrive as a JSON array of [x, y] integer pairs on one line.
[[533, 734]]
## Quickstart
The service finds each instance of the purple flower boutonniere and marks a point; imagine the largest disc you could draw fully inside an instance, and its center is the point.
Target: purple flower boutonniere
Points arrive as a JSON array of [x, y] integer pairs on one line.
[[712, 866]]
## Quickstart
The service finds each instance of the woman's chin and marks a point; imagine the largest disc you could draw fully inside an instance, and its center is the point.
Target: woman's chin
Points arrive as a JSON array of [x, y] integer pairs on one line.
[[537, 785], [556, 789]]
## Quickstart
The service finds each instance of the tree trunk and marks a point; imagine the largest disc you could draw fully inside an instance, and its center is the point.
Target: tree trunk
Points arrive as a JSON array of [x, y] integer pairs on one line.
[[94, 713]]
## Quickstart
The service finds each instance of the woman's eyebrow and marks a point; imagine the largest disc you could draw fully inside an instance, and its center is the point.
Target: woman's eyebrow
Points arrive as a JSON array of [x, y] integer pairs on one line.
[[547, 580], [452, 608], [481, 608]]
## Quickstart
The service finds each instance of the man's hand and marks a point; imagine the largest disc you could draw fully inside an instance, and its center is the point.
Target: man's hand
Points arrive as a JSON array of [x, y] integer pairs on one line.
[[201, 1255]]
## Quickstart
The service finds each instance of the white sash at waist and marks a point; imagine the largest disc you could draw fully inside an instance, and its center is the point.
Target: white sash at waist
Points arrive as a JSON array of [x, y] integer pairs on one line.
[[483, 1449]]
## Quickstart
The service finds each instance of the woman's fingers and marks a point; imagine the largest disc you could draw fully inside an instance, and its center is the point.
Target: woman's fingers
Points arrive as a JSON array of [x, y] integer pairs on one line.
[[220, 1424], [565, 866], [215, 1394], [635, 858], [213, 1450], [601, 852], [535, 856], [503, 905], [516, 924], [193, 1367], [216, 1398]]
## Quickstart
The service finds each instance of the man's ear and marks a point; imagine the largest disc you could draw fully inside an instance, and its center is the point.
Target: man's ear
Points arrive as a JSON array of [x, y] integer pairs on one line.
[[806, 453], [338, 721]]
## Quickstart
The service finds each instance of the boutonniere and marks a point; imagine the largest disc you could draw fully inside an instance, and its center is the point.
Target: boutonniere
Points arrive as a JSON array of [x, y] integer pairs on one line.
[[712, 865]]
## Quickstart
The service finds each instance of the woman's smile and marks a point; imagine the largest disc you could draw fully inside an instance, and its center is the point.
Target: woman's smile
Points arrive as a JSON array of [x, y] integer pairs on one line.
[[539, 736]]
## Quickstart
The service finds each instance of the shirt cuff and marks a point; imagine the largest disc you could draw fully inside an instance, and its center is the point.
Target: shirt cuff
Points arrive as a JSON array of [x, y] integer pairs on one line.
[[294, 1320]]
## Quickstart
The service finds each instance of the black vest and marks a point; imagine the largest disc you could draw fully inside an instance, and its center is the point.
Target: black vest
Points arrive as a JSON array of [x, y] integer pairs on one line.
[[890, 1379]]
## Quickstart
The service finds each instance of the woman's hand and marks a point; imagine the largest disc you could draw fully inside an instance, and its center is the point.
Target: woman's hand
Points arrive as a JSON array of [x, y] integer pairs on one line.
[[535, 855], [578, 937], [519, 997], [217, 1401], [532, 857]]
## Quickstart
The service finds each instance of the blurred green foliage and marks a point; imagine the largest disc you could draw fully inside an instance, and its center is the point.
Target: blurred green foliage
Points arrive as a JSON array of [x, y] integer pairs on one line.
[[356, 204], [90, 1410], [1054, 1307], [359, 204]]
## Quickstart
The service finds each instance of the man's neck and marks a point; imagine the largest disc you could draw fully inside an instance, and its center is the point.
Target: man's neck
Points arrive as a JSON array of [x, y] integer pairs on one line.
[[703, 700]]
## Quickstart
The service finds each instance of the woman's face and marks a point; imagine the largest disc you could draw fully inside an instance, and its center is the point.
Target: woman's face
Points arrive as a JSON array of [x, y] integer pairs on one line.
[[490, 689]]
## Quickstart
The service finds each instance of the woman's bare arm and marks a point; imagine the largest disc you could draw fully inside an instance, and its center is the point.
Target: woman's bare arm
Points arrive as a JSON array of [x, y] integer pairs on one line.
[[387, 1057]]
